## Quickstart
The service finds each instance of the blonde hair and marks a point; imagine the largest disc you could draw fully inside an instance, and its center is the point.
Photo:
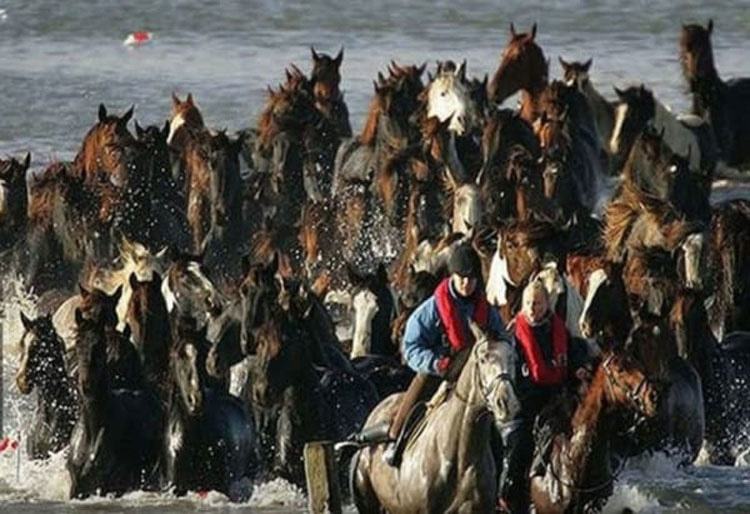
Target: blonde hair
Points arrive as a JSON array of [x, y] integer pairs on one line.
[[533, 288]]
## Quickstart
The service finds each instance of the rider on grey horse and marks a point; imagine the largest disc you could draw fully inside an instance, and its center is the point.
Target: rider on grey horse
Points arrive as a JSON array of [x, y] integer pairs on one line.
[[437, 334]]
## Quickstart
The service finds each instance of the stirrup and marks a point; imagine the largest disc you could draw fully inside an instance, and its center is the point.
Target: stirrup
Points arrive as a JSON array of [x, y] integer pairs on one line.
[[377, 433]]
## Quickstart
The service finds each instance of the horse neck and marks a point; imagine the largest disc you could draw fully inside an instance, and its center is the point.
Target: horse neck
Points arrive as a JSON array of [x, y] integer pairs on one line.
[[470, 416], [586, 427], [531, 97]]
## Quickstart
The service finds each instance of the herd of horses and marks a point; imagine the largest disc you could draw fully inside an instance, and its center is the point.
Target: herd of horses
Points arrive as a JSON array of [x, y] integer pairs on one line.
[[188, 332]]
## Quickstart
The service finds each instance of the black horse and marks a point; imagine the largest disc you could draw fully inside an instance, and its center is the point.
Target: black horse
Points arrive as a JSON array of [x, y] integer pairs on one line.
[[42, 366], [210, 438], [115, 443]]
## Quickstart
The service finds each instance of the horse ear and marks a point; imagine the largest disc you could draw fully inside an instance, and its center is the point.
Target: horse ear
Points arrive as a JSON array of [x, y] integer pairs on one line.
[[354, 276], [476, 331], [421, 69], [175, 100], [165, 129], [564, 64], [26, 161], [83, 291], [339, 57], [102, 113], [587, 65], [138, 129], [533, 31], [512, 30], [25, 321], [123, 121], [245, 265], [461, 73], [620, 93], [710, 27], [314, 54], [78, 316], [382, 273], [189, 99], [133, 280]]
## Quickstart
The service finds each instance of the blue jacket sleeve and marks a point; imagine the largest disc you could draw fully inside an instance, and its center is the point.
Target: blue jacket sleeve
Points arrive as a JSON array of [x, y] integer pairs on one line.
[[496, 325], [422, 339]]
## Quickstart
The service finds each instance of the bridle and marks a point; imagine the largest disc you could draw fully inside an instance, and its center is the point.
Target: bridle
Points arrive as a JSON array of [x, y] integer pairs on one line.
[[486, 389], [632, 394]]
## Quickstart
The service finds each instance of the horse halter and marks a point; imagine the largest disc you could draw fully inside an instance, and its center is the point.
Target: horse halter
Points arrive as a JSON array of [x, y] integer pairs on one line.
[[632, 394], [486, 390]]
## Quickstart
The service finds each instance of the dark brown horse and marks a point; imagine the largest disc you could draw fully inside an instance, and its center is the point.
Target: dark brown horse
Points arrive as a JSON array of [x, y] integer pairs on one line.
[[723, 104], [13, 201], [730, 266], [722, 368], [213, 184], [577, 74], [510, 178], [572, 469], [329, 100], [571, 151], [522, 67]]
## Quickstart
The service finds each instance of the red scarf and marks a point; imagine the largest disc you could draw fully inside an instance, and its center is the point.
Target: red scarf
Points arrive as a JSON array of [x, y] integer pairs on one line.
[[541, 372], [455, 327]]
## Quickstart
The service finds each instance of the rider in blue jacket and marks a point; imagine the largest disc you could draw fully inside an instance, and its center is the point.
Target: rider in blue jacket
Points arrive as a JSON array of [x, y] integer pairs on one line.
[[438, 330]]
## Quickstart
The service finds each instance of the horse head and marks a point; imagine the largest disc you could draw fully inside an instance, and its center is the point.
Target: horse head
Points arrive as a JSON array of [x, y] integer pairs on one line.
[[260, 291], [40, 354], [606, 314], [326, 75], [696, 53], [185, 364], [576, 73], [626, 383], [185, 117], [91, 356], [652, 341], [449, 97], [635, 107], [187, 289], [495, 363], [373, 308], [13, 189], [146, 302], [522, 66]]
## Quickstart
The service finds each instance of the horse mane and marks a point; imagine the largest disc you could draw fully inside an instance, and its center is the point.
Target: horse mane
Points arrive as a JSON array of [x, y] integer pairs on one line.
[[267, 126], [700, 39], [370, 130]]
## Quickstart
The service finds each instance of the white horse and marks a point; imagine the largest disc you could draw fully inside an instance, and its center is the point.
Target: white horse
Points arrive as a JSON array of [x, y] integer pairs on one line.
[[448, 96]]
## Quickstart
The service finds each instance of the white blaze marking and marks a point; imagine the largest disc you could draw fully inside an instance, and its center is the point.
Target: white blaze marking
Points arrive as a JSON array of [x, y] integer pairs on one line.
[[596, 279], [175, 124], [620, 115]]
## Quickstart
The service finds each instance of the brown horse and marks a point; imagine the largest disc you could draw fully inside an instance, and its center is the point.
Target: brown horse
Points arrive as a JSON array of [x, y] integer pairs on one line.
[[571, 472], [64, 218], [213, 184], [723, 104], [13, 200], [184, 120], [522, 248], [448, 465], [523, 67], [606, 313], [100, 160]]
